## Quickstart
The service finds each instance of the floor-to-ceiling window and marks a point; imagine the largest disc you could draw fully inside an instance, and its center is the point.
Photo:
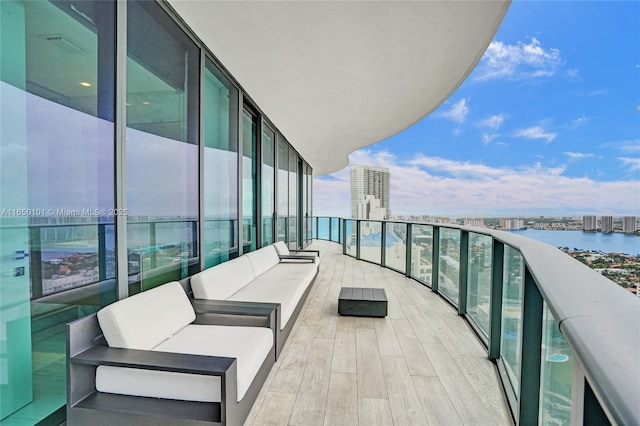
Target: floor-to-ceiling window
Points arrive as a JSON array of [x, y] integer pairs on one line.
[[220, 167], [57, 251], [249, 179], [267, 185], [293, 198], [283, 189], [161, 147]]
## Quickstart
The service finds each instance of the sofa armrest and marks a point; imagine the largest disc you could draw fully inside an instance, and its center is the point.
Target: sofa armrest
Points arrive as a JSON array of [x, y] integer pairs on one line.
[[228, 312], [311, 259], [153, 360], [317, 252]]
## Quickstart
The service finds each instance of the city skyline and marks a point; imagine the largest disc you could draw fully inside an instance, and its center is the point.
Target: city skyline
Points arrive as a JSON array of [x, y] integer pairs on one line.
[[546, 124]]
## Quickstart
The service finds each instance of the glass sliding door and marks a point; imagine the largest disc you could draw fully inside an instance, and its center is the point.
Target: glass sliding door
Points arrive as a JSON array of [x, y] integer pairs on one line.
[[283, 189], [162, 148], [249, 179], [220, 167], [268, 185], [57, 251], [293, 199]]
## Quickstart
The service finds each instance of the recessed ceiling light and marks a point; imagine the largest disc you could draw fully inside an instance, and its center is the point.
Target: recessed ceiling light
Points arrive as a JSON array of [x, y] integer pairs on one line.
[[85, 84], [145, 103]]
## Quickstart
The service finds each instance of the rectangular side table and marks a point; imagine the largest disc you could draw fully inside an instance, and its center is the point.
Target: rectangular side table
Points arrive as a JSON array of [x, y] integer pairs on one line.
[[362, 302]]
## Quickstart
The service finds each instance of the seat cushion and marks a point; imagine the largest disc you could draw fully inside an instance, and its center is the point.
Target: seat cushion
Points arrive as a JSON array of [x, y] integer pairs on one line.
[[141, 321], [284, 284], [221, 281], [263, 259], [249, 345]]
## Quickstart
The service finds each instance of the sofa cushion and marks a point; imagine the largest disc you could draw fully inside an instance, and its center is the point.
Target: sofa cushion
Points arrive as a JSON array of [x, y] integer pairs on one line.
[[221, 281], [281, 248], [263, 259], [284, 284], [142, 321], [249, 345]]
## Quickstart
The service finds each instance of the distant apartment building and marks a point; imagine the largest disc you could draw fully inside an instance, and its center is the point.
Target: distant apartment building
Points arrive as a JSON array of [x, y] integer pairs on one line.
[[369, 181], [478, 223], [511, 224], [369, 208], [629, 224], [606, 224], [589, 223]]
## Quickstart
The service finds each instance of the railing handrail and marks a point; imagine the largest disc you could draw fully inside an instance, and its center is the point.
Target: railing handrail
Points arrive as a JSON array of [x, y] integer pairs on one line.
[[598, 318]]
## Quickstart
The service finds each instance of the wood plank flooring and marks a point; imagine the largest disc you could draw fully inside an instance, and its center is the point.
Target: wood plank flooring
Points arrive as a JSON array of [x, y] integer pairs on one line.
[[421, 365]]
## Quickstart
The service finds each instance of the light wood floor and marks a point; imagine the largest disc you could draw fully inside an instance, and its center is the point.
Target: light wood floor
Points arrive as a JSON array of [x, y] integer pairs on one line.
[[420, 365]]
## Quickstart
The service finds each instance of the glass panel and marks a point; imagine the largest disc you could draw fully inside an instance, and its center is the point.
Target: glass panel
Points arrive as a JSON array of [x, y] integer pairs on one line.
[[512, 294], [249, 181], [350, 244], [220, 167], [556, 374], [335, 229], [422, 253], [323, 228], [449, 264], [162, 144], [479, 280], [396, 250], [283, 189], [371, 241], [314, 228], [268, 182], [293, 198], [57, 252]]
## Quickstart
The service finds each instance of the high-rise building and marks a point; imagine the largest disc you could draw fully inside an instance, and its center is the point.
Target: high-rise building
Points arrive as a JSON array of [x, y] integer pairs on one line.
[[606, 224], [369, 180], [589, 223], [369, 208], [629, 224]]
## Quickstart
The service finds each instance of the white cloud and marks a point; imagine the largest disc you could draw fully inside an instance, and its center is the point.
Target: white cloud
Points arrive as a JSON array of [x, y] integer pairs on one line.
[[434, 186], [487, 138], [536, 132], [630, 146], [578, 155], [458, 112], [493, 122], [578, 122], [518, 61], [631, 163]]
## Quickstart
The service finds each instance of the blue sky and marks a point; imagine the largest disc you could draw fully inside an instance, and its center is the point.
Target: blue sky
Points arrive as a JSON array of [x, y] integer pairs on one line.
[[548, 123]]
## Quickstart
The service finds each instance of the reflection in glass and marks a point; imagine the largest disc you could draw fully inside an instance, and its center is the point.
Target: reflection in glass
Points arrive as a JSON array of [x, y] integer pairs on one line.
[[56, 191], [421, 253], [371, 241], [351, 242], [220, 167], [162, 145], [283, 189], [556, 373], [512, 298], [449, 264], [268, 182], [396, 250], [293, 198], [335, 230], [479, 280], [249, 181], [323, 228]]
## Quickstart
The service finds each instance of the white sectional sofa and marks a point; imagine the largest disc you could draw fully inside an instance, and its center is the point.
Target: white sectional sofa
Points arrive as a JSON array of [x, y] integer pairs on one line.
[[156, 364], [260, 276]]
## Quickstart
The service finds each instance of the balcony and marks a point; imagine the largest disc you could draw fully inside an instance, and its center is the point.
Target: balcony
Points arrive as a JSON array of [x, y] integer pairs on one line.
[[483, 325], [419, 365]]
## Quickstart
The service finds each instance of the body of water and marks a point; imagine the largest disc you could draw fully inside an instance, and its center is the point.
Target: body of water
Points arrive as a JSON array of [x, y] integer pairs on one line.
[[607, 243]]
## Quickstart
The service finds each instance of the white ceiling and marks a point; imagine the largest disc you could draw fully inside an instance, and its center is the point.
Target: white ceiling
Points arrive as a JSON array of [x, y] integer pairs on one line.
[[336, 76]]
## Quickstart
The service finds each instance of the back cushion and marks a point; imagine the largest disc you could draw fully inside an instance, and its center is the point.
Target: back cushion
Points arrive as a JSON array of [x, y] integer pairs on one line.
[[221, 281], [146, 319], [263, 259], [282, 248]]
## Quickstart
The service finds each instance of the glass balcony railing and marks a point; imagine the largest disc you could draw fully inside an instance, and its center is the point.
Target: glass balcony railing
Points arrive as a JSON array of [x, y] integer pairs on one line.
[[565, 339]]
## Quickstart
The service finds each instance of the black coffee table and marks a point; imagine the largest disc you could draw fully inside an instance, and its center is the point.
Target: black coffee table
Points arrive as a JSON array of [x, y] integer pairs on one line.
[[362, 302]]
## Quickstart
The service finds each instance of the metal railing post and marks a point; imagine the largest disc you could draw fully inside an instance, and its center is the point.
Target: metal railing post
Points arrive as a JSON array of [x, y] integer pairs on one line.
[[464, 268], [409, 241], [495, 304], [383, 244], [435, 259], [358, 239]]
